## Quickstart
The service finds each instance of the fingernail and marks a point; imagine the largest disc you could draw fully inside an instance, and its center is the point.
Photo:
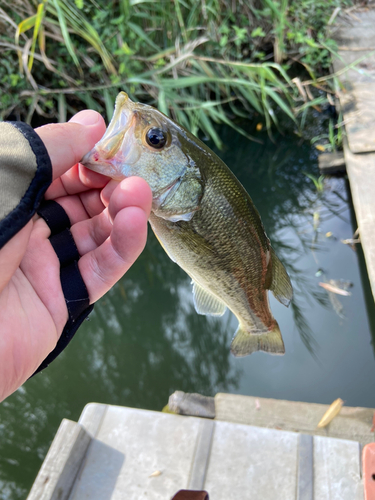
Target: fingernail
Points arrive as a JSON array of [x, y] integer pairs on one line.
[[86, 117]]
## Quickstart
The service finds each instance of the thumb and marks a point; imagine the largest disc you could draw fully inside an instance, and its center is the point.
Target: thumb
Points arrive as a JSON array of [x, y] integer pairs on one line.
[[66, 143]]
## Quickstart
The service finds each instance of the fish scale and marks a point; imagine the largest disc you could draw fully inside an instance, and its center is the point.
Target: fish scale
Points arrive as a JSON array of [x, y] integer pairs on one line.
[[204, 219]]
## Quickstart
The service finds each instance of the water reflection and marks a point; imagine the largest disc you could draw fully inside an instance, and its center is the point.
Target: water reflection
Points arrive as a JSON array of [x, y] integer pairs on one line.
[[145, 340]]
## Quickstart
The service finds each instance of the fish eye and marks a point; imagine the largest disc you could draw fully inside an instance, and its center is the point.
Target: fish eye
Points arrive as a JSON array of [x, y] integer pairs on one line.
[[156, 138]]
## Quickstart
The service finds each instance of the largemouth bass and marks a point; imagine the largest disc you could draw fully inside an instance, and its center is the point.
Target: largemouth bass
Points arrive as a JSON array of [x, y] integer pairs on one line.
[[203, 218]]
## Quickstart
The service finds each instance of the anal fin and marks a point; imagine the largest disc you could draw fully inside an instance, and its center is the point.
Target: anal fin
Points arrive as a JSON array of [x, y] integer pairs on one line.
[[206, 303], [245, 343], [280, 286]]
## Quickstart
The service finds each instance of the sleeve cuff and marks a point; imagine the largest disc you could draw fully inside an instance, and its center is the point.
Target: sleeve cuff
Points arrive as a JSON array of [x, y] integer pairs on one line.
[[25, 175]]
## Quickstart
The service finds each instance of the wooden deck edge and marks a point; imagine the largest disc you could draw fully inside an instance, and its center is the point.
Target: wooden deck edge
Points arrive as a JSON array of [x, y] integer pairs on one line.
[[92, 417], [62, 463], [332, 163], [361, 174], [352, 423]]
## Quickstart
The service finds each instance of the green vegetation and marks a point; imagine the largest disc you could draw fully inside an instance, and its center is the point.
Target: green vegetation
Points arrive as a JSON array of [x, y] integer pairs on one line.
[[318, 182], [333, 140], [199, 61]]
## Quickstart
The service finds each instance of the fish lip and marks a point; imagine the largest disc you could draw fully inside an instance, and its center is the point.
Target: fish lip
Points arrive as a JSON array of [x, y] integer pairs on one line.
[[124, 117]]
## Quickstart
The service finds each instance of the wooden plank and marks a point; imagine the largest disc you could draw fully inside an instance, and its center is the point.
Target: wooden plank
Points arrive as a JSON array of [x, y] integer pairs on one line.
[[351, 423], [250, 463], [355, 37], [62, 463], [305, 472], [202, 455], [130, 446], [332, 163], [357, 93], [143, 455], [357, 103], [361, 174], [92, 417], [337, 469]]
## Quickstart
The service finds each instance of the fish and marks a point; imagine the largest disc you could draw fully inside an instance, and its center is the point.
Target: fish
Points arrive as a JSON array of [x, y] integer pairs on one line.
[[203, 218]]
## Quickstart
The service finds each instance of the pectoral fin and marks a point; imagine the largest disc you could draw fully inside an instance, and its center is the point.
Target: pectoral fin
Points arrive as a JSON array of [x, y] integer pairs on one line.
[[245, 343], [181, 200], [206, 303], [280, 284]]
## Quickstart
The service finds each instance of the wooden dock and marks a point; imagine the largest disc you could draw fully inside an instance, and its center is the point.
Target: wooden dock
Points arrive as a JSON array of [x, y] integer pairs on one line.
[[117, 452], [355, 65]]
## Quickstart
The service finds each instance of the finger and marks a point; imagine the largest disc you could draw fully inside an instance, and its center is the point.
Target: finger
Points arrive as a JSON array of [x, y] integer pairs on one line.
[[129, 209], [66, 143], [91, 233], [82, 207], [108, 190], [76, 180], [92, 202], [12, 253], [133, 191], [104, 266]]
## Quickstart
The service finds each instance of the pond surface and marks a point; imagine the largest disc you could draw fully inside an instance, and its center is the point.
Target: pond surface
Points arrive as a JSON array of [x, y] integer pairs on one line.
[[144, 339]]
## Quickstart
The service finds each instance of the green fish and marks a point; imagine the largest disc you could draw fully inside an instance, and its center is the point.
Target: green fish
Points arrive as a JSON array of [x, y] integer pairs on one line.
[[203, 218]]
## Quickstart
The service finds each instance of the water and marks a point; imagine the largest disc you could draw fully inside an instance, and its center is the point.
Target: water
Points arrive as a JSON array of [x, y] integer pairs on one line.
[[144, 339]]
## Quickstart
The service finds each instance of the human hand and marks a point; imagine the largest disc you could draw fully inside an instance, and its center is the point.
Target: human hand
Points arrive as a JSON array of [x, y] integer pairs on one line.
[[109, 226]]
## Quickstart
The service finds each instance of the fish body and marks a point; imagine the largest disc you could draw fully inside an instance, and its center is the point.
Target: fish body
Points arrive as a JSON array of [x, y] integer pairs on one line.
[[203, 217]]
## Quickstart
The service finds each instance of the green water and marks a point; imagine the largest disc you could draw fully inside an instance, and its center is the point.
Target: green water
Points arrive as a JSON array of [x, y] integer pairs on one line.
[[144, 339]]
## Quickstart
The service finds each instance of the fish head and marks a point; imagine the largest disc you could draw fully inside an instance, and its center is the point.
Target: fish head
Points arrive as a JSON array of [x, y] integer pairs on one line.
[[141, 141]]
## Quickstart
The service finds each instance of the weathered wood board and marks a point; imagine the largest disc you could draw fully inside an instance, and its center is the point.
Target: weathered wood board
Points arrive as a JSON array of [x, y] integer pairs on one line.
[[332, 163], [62, 463], [351, 423], [355, 36], [357, 103], [361, 174], [144, 455]]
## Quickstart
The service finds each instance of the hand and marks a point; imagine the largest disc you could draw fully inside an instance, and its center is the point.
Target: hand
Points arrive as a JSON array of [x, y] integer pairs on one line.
[[109, 226]]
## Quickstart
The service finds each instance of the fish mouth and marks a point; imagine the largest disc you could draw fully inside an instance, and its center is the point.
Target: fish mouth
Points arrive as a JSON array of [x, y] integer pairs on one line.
[[112, 150]]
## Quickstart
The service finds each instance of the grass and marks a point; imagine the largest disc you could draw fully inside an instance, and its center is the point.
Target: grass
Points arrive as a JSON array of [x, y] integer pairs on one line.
[[201, 62]]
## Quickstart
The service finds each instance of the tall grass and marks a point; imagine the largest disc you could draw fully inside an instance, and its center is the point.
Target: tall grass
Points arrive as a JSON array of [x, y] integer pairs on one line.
[[199, 61]]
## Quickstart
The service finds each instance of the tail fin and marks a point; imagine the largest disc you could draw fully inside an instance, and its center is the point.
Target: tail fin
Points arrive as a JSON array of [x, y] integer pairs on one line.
[[245, 343]]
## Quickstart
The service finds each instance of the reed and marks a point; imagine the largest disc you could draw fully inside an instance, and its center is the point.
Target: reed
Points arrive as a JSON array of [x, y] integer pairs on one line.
[[199, 61]]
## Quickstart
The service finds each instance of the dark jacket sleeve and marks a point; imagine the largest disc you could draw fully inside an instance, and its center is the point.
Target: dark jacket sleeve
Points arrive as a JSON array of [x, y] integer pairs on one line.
[[25, 174]]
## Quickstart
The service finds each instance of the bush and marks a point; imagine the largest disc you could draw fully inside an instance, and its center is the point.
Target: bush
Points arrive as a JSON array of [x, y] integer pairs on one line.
[[199, 61]]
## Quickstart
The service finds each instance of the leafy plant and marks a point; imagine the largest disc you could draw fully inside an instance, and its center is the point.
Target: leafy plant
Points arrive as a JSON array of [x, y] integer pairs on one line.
[[199, 62], [318, 182], [332, 141]]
